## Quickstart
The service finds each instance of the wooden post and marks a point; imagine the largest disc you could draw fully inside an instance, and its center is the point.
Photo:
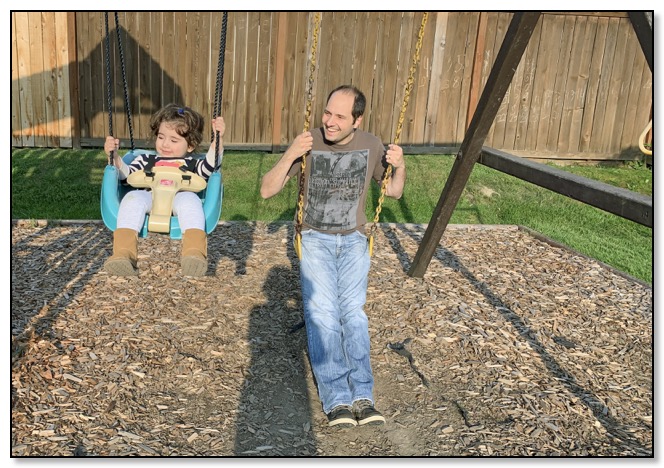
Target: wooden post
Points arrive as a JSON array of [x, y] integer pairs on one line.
[[74, 94], [279, 82], [516, 40]]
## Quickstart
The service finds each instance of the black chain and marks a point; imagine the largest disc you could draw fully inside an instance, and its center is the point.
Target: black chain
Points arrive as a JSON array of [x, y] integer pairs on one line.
[[218, 92], [124, 83], [108, 85]]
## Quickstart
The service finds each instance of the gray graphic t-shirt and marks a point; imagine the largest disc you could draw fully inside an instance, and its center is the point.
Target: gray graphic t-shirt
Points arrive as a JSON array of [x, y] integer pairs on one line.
[[337, 181]]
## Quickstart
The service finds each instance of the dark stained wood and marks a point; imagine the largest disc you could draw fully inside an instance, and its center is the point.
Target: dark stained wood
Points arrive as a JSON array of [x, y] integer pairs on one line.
[[615, 200], [515, 42]]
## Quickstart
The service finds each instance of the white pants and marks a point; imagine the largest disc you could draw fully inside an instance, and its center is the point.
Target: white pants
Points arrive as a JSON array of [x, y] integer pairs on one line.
[[187, 206]]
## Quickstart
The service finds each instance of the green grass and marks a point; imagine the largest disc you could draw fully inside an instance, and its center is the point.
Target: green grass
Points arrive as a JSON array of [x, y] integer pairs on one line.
[[65, 184]]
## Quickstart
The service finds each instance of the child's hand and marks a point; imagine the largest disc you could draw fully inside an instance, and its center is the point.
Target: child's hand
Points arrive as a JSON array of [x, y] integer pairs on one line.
[[111, 144], [218, 125]]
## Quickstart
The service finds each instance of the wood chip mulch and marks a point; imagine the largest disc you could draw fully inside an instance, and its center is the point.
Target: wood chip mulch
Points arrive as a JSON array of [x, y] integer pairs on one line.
[[509, 346]]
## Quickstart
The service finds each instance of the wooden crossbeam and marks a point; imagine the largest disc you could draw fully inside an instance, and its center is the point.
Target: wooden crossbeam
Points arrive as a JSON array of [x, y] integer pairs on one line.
[[615, 200]]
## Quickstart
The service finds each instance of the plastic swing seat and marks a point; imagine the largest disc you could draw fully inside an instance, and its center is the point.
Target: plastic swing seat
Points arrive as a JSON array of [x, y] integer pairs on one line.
[[113, 190]]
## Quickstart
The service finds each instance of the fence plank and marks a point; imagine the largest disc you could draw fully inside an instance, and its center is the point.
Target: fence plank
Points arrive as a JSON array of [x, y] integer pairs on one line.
[[50, 66], [574, 76], [64, 122], [593, 85], [168, 57], [546, 71], [618, 91], [266, 66], [645, 100], [431, 131], [497, 132], [603, 106], [529, 60], [37, 88], [552, 130], [461, 60], [511, 105], [251, 72], [26, 76], [383, 99], [15, 89], [418, 108]]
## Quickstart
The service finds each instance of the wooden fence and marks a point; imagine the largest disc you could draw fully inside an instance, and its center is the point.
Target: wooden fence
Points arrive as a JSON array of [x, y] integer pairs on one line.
[[583, 89]]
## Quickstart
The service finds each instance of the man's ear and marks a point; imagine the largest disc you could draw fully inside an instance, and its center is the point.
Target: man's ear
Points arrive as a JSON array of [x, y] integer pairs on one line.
[[358, 121]]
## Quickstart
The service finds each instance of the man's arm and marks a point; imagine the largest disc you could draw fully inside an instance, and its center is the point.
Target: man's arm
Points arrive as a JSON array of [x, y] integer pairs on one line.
[[275, 179], [394, 156]]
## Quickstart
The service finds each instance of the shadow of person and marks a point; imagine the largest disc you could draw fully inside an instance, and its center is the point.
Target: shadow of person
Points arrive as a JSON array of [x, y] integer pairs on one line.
[[273, 416], [233, 240]]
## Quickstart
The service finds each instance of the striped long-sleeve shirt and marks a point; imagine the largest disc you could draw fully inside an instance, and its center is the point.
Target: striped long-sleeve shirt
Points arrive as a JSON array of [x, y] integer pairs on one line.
[[203, 167]]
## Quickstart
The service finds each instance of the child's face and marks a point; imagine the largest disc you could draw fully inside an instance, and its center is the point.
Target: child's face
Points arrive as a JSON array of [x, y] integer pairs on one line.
[[169, 143]]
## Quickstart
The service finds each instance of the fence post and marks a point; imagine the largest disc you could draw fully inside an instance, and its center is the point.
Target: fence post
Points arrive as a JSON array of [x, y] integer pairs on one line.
[[74, 93], [279, 81]]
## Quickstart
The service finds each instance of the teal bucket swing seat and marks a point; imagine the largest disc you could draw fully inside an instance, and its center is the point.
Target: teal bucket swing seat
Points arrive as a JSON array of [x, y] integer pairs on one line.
[[113, 189]]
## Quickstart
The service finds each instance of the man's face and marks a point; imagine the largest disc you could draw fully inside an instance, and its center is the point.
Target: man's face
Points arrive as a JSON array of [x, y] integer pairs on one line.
[[338, 118]]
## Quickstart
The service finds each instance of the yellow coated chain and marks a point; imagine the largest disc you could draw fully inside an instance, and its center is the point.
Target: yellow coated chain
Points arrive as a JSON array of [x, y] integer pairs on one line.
[[397, 136], [297, 240]]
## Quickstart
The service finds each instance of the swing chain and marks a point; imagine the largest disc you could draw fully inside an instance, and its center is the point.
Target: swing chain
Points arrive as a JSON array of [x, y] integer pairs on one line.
[[109, 96], [397, 137], [307, 120], [218, 92], [124, 82]]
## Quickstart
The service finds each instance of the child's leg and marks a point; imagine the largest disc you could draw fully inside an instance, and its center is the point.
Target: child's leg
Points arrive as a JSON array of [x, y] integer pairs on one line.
[[187, 206], [133, 208], [131, 216]]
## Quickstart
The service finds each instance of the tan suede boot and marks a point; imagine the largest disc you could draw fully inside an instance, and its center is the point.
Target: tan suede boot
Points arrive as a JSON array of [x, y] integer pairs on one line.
[[194, 252], [125, 253]]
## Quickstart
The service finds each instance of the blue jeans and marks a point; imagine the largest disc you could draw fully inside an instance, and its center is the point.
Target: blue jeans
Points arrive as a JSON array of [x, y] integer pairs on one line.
[[334, 273]]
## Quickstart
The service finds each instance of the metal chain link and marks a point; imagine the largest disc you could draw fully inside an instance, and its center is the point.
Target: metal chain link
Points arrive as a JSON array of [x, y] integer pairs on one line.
[[397, 137], [109, 94], [218, 92], [307, 122]]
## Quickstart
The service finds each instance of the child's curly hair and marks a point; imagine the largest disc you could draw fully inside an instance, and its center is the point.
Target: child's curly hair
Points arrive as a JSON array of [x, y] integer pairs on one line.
[[187, 123]]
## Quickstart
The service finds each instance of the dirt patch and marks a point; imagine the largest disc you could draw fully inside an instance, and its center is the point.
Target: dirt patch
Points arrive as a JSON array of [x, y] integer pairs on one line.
[[509, 346]]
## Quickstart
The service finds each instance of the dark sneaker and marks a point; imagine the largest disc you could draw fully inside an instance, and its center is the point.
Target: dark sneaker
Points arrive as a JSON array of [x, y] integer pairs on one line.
[[365, 413], [341, 416]]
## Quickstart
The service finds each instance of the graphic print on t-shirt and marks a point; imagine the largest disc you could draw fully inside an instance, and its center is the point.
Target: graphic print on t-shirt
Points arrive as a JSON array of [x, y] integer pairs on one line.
[[335, 184]]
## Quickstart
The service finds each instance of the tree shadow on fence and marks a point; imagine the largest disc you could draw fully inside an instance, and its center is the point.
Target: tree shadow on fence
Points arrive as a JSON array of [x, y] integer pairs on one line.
[[150, 73]]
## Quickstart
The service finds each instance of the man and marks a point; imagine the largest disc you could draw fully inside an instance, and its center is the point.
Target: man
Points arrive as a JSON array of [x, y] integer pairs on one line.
[[341, 161]]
